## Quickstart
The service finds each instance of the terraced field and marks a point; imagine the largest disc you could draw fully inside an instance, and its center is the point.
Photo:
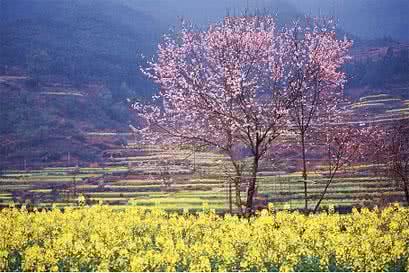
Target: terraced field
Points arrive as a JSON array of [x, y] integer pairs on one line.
[[189, 180], [184, 178], [135, 179], [381, 108]]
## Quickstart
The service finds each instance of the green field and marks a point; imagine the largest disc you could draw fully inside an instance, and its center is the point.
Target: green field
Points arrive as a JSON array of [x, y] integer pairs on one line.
[[197, 179]]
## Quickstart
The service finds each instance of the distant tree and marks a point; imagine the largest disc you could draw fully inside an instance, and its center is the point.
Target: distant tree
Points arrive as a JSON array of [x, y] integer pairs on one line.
[[125, 91], [38, 63], [165, 173], [404, 57], [396, 155], [230, 86]]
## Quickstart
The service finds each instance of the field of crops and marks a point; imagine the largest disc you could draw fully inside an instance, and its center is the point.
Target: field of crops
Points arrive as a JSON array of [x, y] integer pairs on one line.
[[190, 180], [100, 238], [382, 108], [122, 181]]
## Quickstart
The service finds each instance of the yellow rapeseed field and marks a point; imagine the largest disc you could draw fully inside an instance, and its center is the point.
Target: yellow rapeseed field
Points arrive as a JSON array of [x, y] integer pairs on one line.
[[101, 239]]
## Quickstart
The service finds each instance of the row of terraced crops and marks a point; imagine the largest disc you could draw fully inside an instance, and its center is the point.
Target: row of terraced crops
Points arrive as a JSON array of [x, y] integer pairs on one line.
[[135, 179], [195, 178], [283, 191], [382, 108], [349, 190], [45, 187], [192, 179]]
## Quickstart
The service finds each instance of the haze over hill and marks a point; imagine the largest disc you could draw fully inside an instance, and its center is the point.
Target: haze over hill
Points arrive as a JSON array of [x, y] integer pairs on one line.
[[365, 18], [205, 12]]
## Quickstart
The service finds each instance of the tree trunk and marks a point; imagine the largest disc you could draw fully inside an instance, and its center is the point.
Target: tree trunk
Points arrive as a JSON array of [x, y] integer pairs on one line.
[[230, 198], [406, 189], [237, 186], [252, 187], [304, 171], [322, 195]]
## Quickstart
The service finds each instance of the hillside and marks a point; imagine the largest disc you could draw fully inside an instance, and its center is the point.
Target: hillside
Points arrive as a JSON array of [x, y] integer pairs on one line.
[[380, 66], [66, 68], [46, 123], [81, 41]]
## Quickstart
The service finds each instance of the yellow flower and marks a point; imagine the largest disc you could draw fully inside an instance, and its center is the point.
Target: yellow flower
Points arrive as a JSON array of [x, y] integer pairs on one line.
[[101, 239]]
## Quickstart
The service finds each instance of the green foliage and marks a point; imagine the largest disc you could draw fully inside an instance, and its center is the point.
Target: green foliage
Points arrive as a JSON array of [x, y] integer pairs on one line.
[[308, 264]]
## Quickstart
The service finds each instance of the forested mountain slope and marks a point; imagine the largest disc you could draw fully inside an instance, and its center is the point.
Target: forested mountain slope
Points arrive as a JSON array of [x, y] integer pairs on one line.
[[81, 41]]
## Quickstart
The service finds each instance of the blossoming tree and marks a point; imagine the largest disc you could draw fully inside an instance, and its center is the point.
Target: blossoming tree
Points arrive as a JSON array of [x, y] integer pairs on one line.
[[231, 86]]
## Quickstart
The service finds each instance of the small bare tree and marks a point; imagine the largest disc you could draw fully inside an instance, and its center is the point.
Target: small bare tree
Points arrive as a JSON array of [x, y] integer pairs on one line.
[[341, 150], [345, 143], [396, 155], [165, 173]]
